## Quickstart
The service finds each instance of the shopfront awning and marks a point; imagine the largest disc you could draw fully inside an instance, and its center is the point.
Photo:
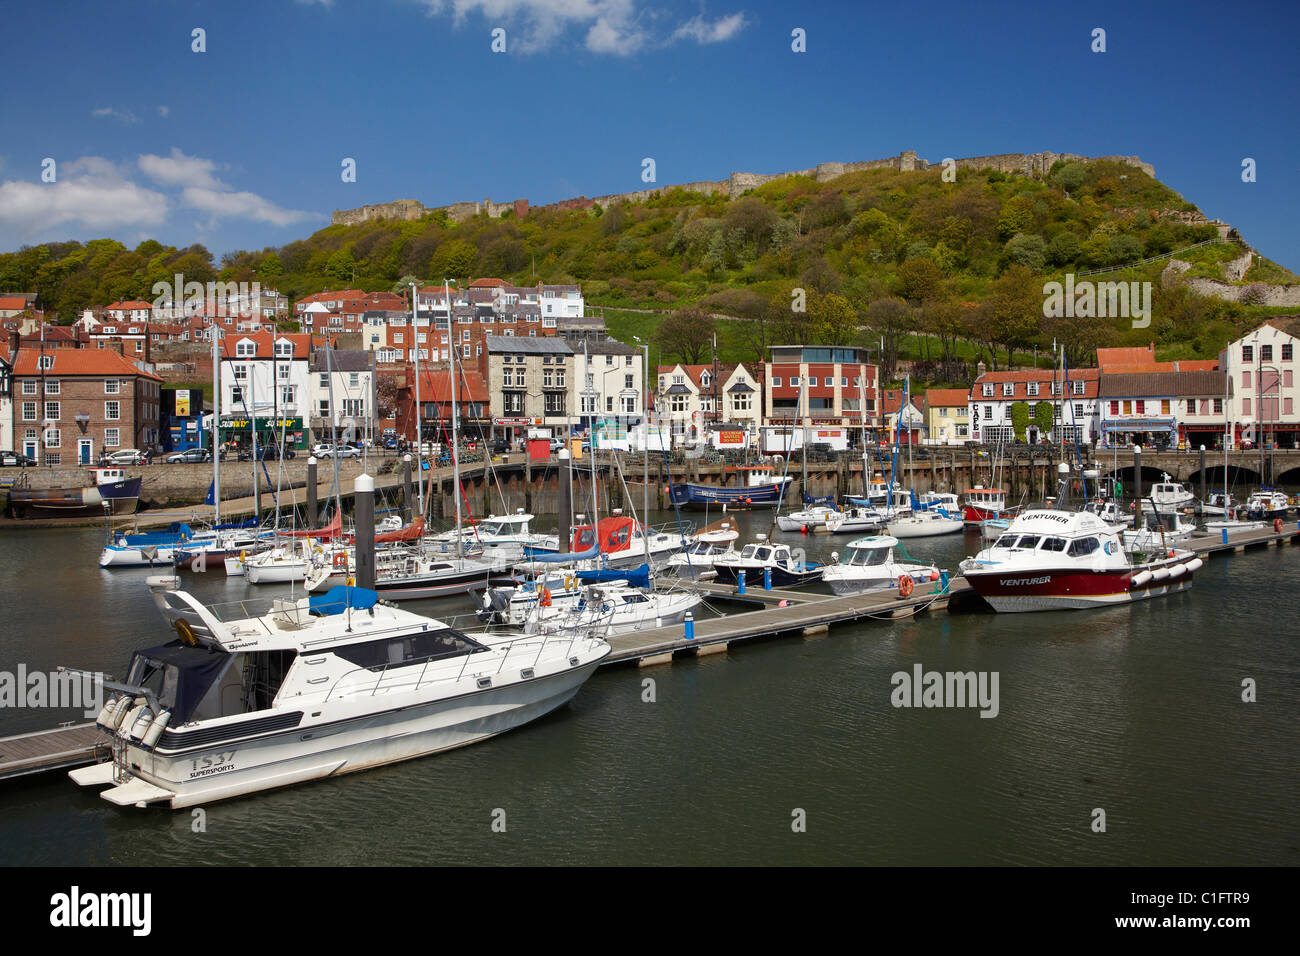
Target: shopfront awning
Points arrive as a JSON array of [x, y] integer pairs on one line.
[[1140, 425]]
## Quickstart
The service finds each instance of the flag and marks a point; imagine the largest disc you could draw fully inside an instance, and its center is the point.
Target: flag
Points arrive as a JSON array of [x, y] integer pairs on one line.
[[211, 498]]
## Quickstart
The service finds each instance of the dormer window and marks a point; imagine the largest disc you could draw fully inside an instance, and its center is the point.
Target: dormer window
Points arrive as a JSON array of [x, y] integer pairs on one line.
[[988, 390], [284, 349], [245, 348], [1008, 388]]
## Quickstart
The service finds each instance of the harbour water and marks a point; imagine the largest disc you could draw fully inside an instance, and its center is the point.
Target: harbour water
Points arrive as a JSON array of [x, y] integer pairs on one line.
[[1135, 710]]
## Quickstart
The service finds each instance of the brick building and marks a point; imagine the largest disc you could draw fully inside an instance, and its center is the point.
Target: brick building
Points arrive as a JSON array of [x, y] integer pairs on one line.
[[71, 406]]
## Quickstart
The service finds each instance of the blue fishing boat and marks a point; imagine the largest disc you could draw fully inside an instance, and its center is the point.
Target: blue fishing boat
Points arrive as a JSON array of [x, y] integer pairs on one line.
[[756, 487]]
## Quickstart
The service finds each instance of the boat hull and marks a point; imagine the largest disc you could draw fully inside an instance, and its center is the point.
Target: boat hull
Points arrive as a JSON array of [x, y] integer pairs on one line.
[[697, 496], [1045, 589], [112, 498], [781, 578], [973, 516]]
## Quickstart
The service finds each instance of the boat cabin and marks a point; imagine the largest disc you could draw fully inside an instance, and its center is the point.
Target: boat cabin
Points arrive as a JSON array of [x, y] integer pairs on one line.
[[987, 498], [871, 551]]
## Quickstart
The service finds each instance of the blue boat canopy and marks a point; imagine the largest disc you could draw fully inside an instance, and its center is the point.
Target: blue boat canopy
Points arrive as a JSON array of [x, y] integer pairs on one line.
[[341, 597], [637, 577], [551, 557]]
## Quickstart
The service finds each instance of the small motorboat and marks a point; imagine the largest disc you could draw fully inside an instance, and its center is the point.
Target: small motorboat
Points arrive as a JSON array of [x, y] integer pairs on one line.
[[871, 566], [110, 492], [1266, 504], [1167, 497], [855, 519], [764, 561]]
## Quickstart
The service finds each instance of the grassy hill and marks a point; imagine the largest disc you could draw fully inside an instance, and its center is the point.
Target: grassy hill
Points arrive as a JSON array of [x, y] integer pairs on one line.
[[952, 270]]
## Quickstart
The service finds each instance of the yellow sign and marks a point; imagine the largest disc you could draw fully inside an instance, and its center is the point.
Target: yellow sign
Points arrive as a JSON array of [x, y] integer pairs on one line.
[[182, 404]]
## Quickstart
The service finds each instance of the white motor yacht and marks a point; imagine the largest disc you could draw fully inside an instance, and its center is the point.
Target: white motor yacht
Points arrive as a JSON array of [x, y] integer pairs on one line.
[[1267, 505], [1054, 560], [317, 687], [856, 519], [925, 524], [808, 519], [871, 565]]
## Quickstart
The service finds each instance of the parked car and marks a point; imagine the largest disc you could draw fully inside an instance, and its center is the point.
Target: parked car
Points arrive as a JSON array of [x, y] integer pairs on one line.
[[16, 459], [125, 456], [189, 455], [499, 446]]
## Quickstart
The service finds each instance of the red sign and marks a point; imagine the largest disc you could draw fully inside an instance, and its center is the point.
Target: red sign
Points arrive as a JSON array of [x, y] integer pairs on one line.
[[731, 438]]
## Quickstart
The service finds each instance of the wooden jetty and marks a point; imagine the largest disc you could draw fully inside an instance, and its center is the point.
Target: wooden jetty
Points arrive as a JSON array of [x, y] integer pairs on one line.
[[55, 749]]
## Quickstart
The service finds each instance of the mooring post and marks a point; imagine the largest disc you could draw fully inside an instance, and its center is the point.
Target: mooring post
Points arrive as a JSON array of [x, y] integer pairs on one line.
[[1137, 483], [1202, 473], [312, 504], [690, 626], [364, 516]]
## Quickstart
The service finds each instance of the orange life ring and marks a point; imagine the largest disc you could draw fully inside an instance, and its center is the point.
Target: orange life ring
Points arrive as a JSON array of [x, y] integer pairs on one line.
[[905, 585], [546, 597], [1277, 525], [340, 559]]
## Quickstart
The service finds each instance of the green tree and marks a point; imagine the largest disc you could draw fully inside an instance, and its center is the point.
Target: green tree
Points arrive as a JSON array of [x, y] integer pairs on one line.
[[270, 268], [1070, 176], [1064, 249], [686, 334], [454, 259], [1013, 309], [1019, 419], [919, 279], [1027, 250], [1044, 417]]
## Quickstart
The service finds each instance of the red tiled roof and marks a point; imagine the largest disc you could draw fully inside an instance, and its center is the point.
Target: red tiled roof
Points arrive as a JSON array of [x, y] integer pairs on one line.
[[1021, 378], [946, 396], [487, 283], [265, 342], [66, 362], [131, 305], [13, 302]]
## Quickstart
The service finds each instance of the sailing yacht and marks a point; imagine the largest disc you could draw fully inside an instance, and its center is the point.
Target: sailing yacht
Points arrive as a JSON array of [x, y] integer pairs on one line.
[[317, 687]]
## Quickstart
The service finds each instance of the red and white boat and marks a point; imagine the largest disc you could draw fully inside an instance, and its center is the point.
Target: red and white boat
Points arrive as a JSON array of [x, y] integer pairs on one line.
[[983, 504], [1056, 560]]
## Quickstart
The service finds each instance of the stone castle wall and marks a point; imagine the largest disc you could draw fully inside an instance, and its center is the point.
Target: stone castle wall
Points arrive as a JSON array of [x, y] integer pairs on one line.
[[733, 186]]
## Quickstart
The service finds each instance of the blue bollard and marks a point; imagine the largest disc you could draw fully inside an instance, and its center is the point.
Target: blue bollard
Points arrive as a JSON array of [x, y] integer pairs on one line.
[[740, 583], [1225, 535], [767, 579], [690, 626]]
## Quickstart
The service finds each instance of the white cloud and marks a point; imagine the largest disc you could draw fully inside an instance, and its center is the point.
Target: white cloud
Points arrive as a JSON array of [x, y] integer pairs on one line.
[[702, 31], [179, 170], [239, 205], [202, 190], [163, 111], [125, 117], [90, 192], [615, 27]]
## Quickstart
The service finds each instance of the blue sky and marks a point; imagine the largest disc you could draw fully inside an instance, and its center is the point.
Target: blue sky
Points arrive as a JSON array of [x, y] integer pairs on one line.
[[241, 146]]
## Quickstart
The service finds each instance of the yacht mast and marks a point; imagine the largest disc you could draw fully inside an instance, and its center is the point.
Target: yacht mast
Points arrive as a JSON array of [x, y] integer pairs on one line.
[[455, 434], [415, 336], [216, 417]]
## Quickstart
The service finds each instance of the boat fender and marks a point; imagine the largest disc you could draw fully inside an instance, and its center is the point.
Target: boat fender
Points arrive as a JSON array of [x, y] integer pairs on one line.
[[934, 575], [905, 585], [133, 718], [156, 728], [1172, 552], [1277, 525], [352, 582], [1139, 579], [111, 713], [1177, 571], [1159, 574], [803, 530], [783, 603], [1195, 564], [546, 597], [340, 559]]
